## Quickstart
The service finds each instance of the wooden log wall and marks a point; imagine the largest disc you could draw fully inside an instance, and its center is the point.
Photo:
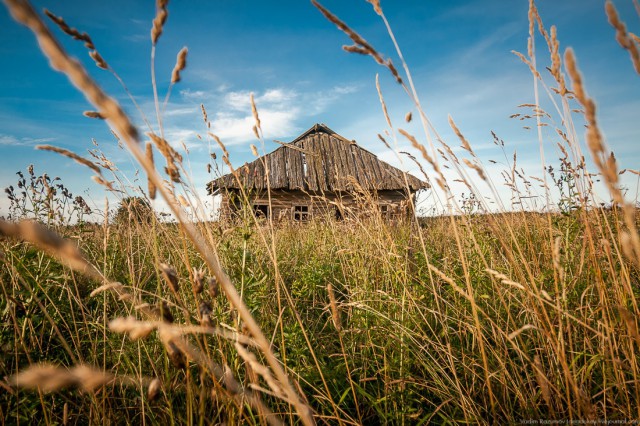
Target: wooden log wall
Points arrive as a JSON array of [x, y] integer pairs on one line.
[[320, 205]]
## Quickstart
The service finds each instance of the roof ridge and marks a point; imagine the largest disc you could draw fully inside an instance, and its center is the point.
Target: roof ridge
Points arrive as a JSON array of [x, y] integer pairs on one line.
[[316, 128]]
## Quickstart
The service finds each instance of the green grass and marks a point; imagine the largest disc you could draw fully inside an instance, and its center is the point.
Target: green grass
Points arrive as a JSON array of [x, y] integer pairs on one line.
[[408, 346]]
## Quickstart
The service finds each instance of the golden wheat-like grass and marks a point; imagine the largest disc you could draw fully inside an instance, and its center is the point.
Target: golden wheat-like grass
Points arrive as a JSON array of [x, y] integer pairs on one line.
[[181, 63], [623, 38]]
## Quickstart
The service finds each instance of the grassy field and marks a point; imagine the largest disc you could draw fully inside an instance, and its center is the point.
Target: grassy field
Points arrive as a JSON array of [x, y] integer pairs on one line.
[[469, 317]]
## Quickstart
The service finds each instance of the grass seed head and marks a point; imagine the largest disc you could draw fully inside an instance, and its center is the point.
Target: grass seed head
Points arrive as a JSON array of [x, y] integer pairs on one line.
[[159, 20], [214, 288], [94, 114], [154, 389], [198, 281], [149, 156], [181, 63], [171, 276], [164, 312]]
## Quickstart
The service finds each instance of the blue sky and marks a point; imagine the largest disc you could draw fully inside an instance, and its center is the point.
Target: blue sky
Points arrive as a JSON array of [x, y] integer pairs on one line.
[[290, 57]]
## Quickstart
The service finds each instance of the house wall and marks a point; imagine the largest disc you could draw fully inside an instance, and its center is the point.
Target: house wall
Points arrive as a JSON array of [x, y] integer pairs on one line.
[[299, 205]]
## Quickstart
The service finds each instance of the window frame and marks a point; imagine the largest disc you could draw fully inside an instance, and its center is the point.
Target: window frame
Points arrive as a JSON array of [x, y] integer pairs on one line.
[[301, 213], [263, 209]]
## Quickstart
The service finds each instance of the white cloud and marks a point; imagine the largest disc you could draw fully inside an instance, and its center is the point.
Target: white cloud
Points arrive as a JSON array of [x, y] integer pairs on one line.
[[277, 96], [270, 98], [345, 90], [280, 110], [320, 101], [235, 130], [193, 95], [10, 140], [187, 110]]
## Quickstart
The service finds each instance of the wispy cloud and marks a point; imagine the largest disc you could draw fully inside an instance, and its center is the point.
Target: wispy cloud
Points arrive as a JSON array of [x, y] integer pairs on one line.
[[193, 95], [235, 130], [271, 98], [137, 38], [10, 140], [181, 110]]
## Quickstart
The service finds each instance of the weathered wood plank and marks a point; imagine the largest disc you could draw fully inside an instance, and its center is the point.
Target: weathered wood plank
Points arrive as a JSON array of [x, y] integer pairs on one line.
[[330, 160], [312, 177]]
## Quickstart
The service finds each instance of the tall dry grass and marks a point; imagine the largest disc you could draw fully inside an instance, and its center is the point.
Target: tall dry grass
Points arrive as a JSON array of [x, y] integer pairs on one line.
[[466, 317]]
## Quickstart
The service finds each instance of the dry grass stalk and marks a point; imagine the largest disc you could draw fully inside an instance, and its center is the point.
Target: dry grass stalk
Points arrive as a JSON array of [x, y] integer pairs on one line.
[[335, 312], [214, 288], [48, 241], [382, 102], [260, 369], [475, 167], [630, 322], [181, 63], [376, 6], [106, 287], [149, 156], [154, 389], [408, 117], [419, 164], [542, 380], [50, 378], [384, 141], [93, 114], [256, 118], [605, 161], [360, 46], [137, 329], [72, 155], [516, 333], [198, 281], [594, 137], [180, 351], [159, 20], [60, 22], [465, 143], [205, 314], [533, 12], [176, 355], [556, 258], [100, 181], [440, 180], [170, 276], [556, 62], [93, 53], [621, 35], [99, 60], [60, 61], [134, 328], [532, 68], [504, 279], [171, 156]]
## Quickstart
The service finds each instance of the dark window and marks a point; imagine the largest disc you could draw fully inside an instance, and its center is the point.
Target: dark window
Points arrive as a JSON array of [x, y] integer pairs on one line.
[[301, 213], [384, 210], [261, 210], [339, 215]]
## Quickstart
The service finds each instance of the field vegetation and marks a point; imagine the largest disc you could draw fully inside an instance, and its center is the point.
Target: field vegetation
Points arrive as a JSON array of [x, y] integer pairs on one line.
[[480, 315]]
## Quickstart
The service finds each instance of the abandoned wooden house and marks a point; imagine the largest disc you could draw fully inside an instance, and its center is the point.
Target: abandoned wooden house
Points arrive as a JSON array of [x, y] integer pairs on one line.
[[320, 173]]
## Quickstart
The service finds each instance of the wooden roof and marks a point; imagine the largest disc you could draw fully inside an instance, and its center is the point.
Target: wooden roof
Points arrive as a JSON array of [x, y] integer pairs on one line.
[[319, 160]]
